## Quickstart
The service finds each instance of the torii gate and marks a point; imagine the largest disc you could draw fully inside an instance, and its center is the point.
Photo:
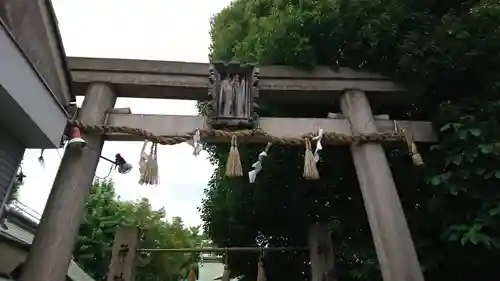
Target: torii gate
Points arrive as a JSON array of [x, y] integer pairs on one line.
[[103, 80]]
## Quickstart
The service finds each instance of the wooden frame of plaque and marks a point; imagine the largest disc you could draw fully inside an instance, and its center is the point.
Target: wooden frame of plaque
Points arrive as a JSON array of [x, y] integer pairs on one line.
[[233, 90]]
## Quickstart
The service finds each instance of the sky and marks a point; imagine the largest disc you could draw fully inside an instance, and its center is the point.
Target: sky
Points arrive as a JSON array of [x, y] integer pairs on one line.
[[169, 30]]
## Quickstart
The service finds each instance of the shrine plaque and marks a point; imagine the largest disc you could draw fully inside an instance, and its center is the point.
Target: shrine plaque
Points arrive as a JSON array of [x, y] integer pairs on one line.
[[233, 90]]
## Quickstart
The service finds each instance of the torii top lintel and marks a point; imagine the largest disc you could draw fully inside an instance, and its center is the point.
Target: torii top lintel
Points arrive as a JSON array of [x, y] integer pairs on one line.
[[187, 80]]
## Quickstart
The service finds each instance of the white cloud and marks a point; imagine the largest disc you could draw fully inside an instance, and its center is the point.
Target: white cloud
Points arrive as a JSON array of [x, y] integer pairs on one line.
[[146, 29]]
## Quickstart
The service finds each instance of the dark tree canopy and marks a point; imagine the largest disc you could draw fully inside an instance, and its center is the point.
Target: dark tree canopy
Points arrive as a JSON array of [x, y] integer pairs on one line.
[[447, 50]]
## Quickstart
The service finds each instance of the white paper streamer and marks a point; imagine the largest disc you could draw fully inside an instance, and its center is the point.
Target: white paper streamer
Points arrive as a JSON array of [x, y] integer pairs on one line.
[[252, 175], [196, 143], [319, 146]]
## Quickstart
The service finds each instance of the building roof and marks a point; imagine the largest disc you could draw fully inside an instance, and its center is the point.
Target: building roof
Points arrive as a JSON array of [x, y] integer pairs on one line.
[[21, 230]]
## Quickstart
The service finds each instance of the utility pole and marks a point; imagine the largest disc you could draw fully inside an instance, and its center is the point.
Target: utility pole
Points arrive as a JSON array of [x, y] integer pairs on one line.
[[52, 248]]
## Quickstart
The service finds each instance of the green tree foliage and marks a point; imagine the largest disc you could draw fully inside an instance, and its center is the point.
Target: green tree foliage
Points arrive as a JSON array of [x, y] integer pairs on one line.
[[16, 185], [105, 213], [14, 193], [448, 51]]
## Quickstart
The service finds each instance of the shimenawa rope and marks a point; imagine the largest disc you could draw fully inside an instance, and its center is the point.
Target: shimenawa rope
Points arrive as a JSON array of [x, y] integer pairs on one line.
[[299, 140], [149, 169]]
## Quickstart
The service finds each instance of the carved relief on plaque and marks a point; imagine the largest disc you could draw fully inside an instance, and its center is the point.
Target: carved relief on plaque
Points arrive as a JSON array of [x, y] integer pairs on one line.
[[233, 90]]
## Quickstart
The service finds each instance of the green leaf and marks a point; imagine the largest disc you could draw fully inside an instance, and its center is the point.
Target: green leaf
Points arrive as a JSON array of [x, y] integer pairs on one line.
[[471, 156], [480, 171], [486, 148], [445, 127], [457, 159], [464, 240], [453, 237], [436, 180], [435, 147], [475, 132], [105, 212], [494, 212]]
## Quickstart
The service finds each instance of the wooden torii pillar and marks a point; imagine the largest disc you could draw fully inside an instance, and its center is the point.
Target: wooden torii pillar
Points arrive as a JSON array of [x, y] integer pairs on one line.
[[395, 250], [52, 248]]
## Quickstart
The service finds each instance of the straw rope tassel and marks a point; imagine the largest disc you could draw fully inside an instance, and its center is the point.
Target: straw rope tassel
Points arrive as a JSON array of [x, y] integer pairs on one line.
[[147, 168], [151, 168], [233, 166], [154, 166], [310, 169], [261, 274]]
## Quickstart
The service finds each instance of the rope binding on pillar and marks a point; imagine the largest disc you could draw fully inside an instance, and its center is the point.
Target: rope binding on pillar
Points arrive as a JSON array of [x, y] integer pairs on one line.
[[410, 144]]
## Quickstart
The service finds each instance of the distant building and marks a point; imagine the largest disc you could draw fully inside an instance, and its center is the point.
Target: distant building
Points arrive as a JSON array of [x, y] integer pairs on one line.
[[17, 231], [210, 266]]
